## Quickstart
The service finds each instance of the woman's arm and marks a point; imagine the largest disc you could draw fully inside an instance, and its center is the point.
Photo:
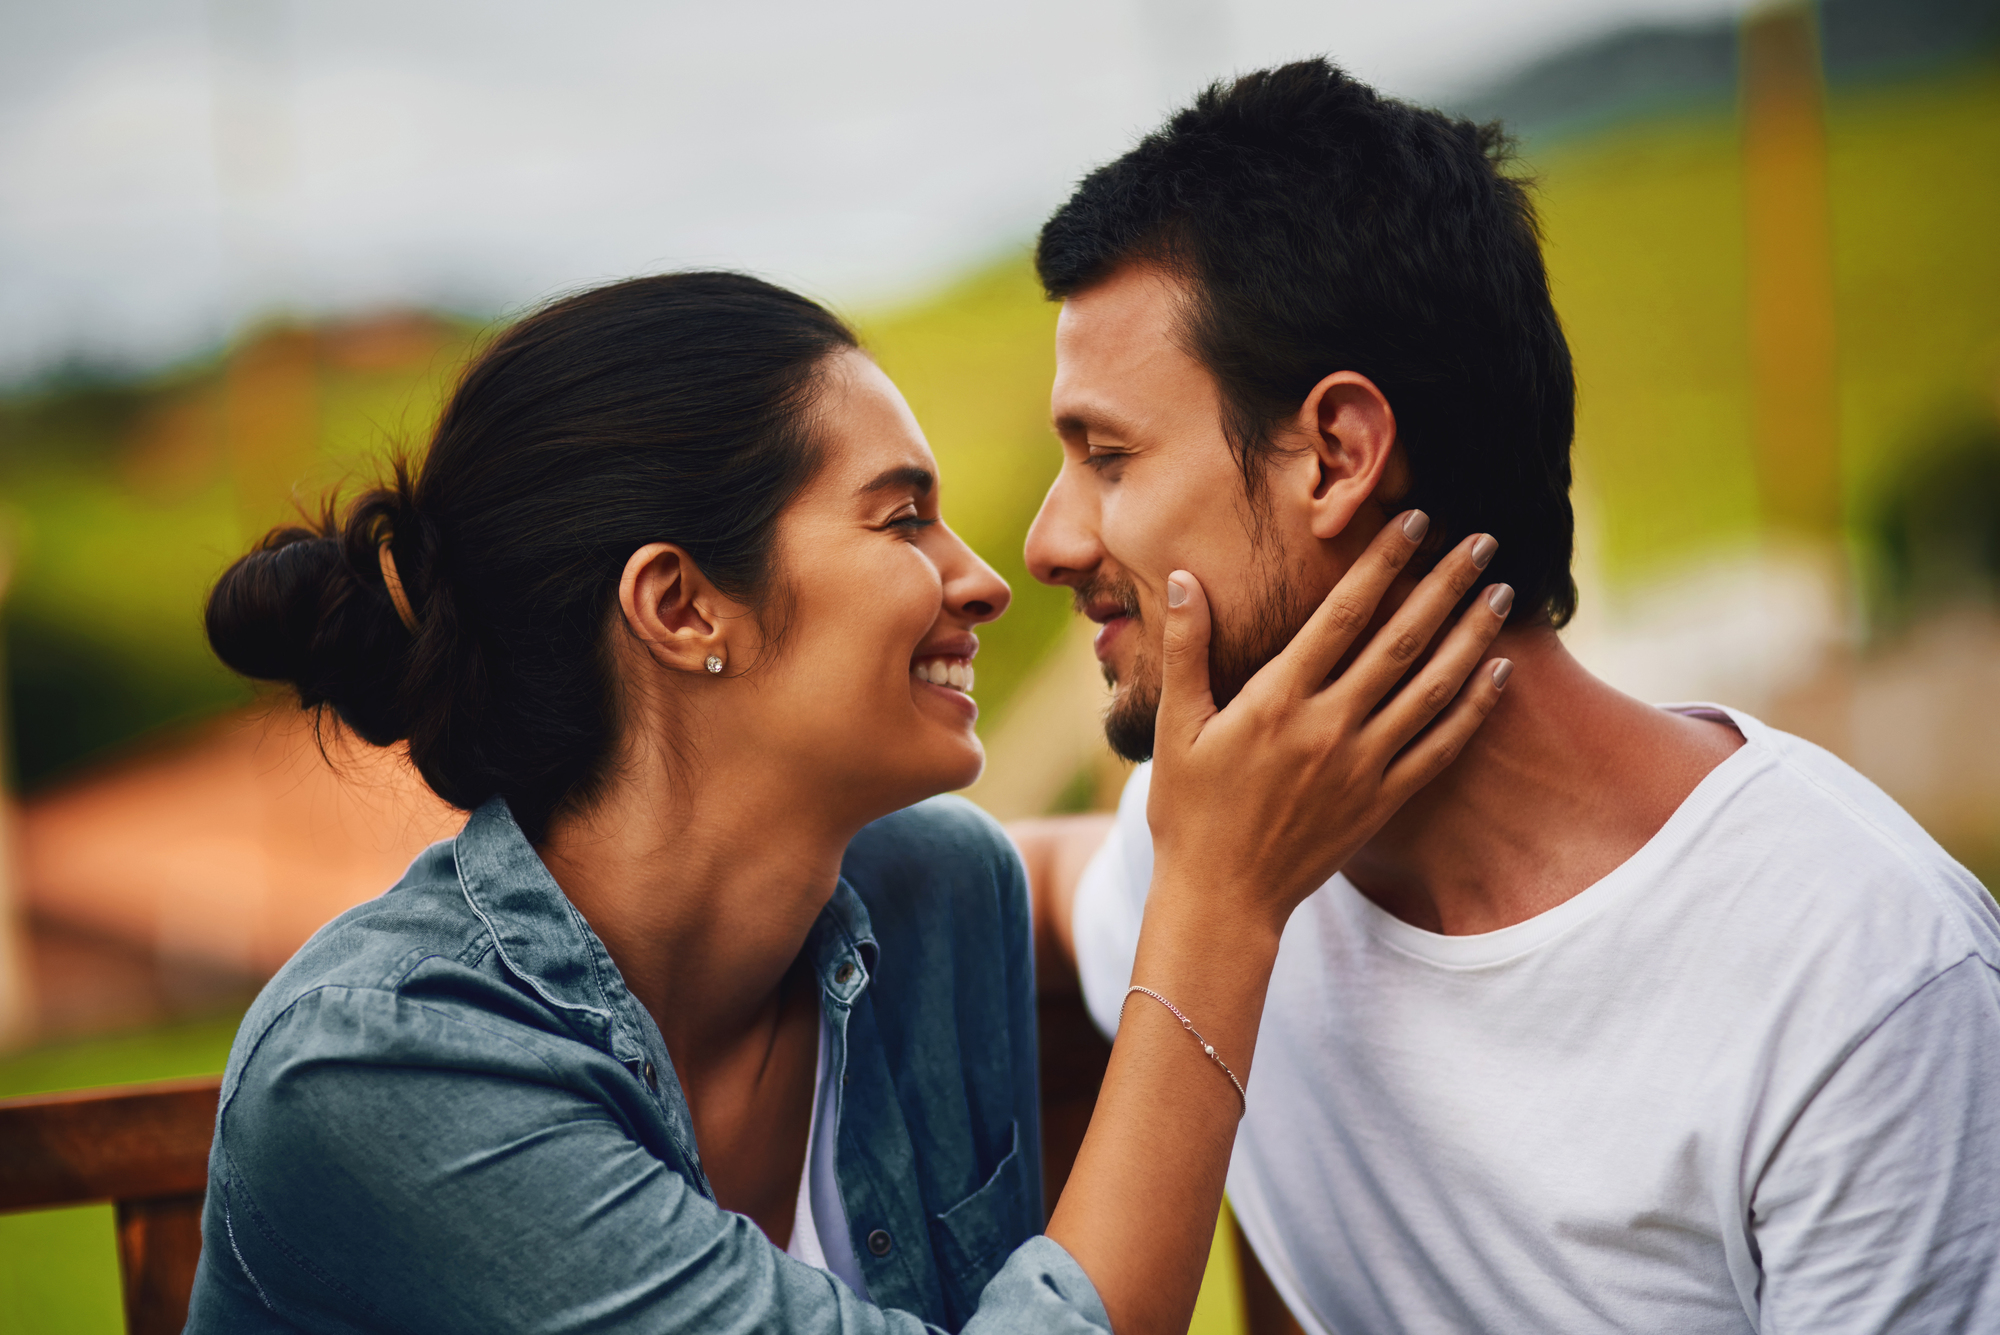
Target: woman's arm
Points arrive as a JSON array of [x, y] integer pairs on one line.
[[1252, 808]]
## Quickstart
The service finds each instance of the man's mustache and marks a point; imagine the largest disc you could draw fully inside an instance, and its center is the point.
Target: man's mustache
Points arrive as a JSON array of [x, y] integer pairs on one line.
[[1099, 590]]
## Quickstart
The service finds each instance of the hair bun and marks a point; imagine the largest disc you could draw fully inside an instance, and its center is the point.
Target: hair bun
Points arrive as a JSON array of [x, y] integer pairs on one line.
[[293, 610], [265, 609]]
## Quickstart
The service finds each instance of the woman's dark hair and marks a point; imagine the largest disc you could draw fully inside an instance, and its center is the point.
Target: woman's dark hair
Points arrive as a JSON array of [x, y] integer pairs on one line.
[[1321, 227], [669, 409]]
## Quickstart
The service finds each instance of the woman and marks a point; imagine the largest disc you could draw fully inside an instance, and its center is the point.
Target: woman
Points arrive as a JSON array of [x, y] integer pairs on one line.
[[669, 610]]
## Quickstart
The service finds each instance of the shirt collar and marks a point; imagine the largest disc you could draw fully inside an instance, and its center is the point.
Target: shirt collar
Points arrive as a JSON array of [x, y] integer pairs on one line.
[[545, 942], [842, 946], [539, 935]]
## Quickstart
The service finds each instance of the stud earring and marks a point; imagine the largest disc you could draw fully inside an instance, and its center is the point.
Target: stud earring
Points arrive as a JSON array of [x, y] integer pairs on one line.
[[713, 663]]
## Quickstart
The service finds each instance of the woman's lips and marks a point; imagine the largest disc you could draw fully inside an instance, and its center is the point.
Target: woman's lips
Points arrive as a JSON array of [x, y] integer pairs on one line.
[[949, 678]]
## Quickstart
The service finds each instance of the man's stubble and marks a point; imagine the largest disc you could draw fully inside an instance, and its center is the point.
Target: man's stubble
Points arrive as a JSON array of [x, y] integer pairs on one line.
[[1238, 647]]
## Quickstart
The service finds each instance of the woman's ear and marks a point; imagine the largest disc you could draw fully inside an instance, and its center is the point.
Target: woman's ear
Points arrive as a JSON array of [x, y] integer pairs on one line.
[[670, 608], [1350, 429]]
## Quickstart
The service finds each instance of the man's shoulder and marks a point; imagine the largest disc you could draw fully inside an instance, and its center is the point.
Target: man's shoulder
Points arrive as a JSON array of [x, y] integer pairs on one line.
[[1801, 879], [1806, 819]]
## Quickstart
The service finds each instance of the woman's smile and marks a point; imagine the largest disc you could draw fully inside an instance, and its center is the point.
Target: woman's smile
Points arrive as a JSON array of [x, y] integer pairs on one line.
[[943, 667]]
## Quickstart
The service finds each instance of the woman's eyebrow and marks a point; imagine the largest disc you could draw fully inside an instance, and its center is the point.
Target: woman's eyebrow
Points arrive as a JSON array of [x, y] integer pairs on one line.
[[916, 479]]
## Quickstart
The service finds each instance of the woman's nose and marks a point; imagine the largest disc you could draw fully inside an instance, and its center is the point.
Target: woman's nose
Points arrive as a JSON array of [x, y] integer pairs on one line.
[[973, 589]]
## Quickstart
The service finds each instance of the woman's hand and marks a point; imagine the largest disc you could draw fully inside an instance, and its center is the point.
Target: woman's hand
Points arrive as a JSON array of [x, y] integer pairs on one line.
[[1252, 808], [1256, 805]]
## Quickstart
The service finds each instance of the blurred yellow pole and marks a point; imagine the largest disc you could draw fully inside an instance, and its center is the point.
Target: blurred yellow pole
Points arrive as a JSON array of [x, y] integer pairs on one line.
[[17, 997], [1790, 252]]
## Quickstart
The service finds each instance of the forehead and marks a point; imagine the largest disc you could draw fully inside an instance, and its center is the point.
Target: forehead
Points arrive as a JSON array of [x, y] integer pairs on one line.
[[1117, 357], [867, 426]]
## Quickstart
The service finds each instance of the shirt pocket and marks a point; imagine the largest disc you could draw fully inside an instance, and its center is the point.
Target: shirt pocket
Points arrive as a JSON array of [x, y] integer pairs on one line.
[[974, 1238]]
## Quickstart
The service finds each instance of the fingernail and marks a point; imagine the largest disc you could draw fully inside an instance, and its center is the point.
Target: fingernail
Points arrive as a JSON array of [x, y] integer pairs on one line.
[[1483, 548], [1501, 671], [1176, 593], [1500, 597], [1415, 525]]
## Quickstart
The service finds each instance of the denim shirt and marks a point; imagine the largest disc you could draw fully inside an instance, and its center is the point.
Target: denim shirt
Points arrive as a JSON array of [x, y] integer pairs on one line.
[[446, 1113]]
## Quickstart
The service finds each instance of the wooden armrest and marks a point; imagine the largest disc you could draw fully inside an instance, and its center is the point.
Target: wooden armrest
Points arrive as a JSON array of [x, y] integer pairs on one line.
[[119, 1144]]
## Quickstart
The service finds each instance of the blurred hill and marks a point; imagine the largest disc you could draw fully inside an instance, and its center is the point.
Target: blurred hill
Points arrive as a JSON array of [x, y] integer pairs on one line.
[[123, 499], [1660, 69]]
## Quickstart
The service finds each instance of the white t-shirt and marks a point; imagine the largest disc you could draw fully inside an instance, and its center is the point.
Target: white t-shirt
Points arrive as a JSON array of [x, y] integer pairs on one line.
[[1749, 1081], [819, 1223]]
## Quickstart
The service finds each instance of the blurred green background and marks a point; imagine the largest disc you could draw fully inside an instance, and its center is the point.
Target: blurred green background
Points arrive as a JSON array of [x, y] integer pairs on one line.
[[122, 498], [122, 503]]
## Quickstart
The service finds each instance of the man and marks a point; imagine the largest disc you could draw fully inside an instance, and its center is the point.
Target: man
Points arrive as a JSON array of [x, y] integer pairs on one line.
[[1636, 1018]]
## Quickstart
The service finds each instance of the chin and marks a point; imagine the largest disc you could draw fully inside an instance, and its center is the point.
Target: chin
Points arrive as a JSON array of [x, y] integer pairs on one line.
[[964, 770]]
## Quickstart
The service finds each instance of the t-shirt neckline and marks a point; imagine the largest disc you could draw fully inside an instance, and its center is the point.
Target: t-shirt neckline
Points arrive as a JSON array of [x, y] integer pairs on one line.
[[1484, 949]]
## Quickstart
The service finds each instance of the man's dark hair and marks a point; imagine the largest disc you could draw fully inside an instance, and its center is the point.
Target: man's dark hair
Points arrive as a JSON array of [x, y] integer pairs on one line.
[[1321, 228]]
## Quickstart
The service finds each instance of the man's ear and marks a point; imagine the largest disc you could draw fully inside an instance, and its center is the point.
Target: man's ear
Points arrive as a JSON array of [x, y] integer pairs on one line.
[[1350, 429], [671, 609]]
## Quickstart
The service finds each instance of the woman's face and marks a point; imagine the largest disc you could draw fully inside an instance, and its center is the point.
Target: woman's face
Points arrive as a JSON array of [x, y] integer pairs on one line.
[[868, 688]]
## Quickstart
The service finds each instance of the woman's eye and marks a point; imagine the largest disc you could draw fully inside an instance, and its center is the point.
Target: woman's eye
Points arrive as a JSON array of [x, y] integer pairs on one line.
[[911, 523], [1101, 459]]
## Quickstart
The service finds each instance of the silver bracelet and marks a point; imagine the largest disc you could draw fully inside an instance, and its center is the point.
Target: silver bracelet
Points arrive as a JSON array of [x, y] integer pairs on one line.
[[1208, 1048]]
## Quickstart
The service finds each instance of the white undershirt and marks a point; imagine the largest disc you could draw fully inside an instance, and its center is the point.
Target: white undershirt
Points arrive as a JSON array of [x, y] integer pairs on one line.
[[1749, 1081], [819, 1224]]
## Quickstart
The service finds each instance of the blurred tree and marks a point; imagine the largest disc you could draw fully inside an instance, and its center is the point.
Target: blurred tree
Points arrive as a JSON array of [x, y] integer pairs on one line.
[[1937, 526]]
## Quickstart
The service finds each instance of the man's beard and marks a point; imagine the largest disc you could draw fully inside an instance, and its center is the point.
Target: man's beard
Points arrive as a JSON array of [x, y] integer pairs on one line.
[[1235, 652]]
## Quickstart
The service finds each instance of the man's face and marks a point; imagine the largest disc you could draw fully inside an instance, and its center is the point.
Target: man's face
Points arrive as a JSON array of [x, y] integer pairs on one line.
[[1149, 485]]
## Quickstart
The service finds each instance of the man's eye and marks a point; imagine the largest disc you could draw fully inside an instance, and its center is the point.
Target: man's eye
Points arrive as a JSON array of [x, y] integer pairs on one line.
[[1097, 458], [911, 523]]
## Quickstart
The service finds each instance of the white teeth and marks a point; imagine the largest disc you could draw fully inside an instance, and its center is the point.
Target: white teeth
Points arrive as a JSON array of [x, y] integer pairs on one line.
[[944, 672]]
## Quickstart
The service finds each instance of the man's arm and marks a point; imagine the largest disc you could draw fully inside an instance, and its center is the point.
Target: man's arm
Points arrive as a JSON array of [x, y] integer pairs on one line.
[[1055, 850], [1878, 1213]]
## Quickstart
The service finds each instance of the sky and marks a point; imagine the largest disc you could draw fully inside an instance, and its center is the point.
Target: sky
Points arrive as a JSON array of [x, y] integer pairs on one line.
[[173, 169]]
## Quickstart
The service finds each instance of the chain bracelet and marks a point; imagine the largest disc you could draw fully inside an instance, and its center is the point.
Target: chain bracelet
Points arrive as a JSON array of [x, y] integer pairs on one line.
[[1208, 1048]]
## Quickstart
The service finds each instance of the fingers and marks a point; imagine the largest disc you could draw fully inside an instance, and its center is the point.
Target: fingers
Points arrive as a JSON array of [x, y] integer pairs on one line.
[[1428, 756], [1185, 702], [1388, 655], [1438, 682], [1345, 612]]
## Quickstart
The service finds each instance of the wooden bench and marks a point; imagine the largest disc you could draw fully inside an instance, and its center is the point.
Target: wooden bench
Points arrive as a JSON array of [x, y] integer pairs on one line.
[[144, 1148]]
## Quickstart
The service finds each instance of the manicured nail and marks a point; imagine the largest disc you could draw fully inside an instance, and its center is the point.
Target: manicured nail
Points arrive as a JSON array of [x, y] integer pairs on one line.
[[1501, 671], [1483, 548], [1500, 597], [1415, 525], [1176, 593]]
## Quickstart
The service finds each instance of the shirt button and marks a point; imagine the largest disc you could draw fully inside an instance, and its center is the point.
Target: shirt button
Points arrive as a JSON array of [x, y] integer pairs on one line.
[[652, 1078], [879, 1242], [843, 973]]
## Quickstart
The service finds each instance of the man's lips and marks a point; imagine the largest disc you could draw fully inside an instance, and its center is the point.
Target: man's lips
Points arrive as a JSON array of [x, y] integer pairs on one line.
[[1107, 635]]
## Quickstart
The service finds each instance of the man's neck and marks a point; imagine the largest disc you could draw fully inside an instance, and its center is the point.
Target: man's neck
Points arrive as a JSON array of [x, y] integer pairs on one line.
[[1566, 781]]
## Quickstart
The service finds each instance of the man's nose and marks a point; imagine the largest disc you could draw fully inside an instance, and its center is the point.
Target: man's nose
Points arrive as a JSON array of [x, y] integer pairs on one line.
[[1063, 543]]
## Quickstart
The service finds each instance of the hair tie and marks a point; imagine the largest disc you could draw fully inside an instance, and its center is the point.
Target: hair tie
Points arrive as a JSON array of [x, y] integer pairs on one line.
[[394, 584]]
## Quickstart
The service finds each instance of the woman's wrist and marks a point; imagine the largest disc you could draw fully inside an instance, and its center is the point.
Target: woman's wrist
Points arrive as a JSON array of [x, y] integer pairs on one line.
[[1185, 904]]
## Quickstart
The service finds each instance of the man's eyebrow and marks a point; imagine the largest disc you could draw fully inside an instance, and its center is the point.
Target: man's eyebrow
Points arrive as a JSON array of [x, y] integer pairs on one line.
[[916, 479], [1093, 419]]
